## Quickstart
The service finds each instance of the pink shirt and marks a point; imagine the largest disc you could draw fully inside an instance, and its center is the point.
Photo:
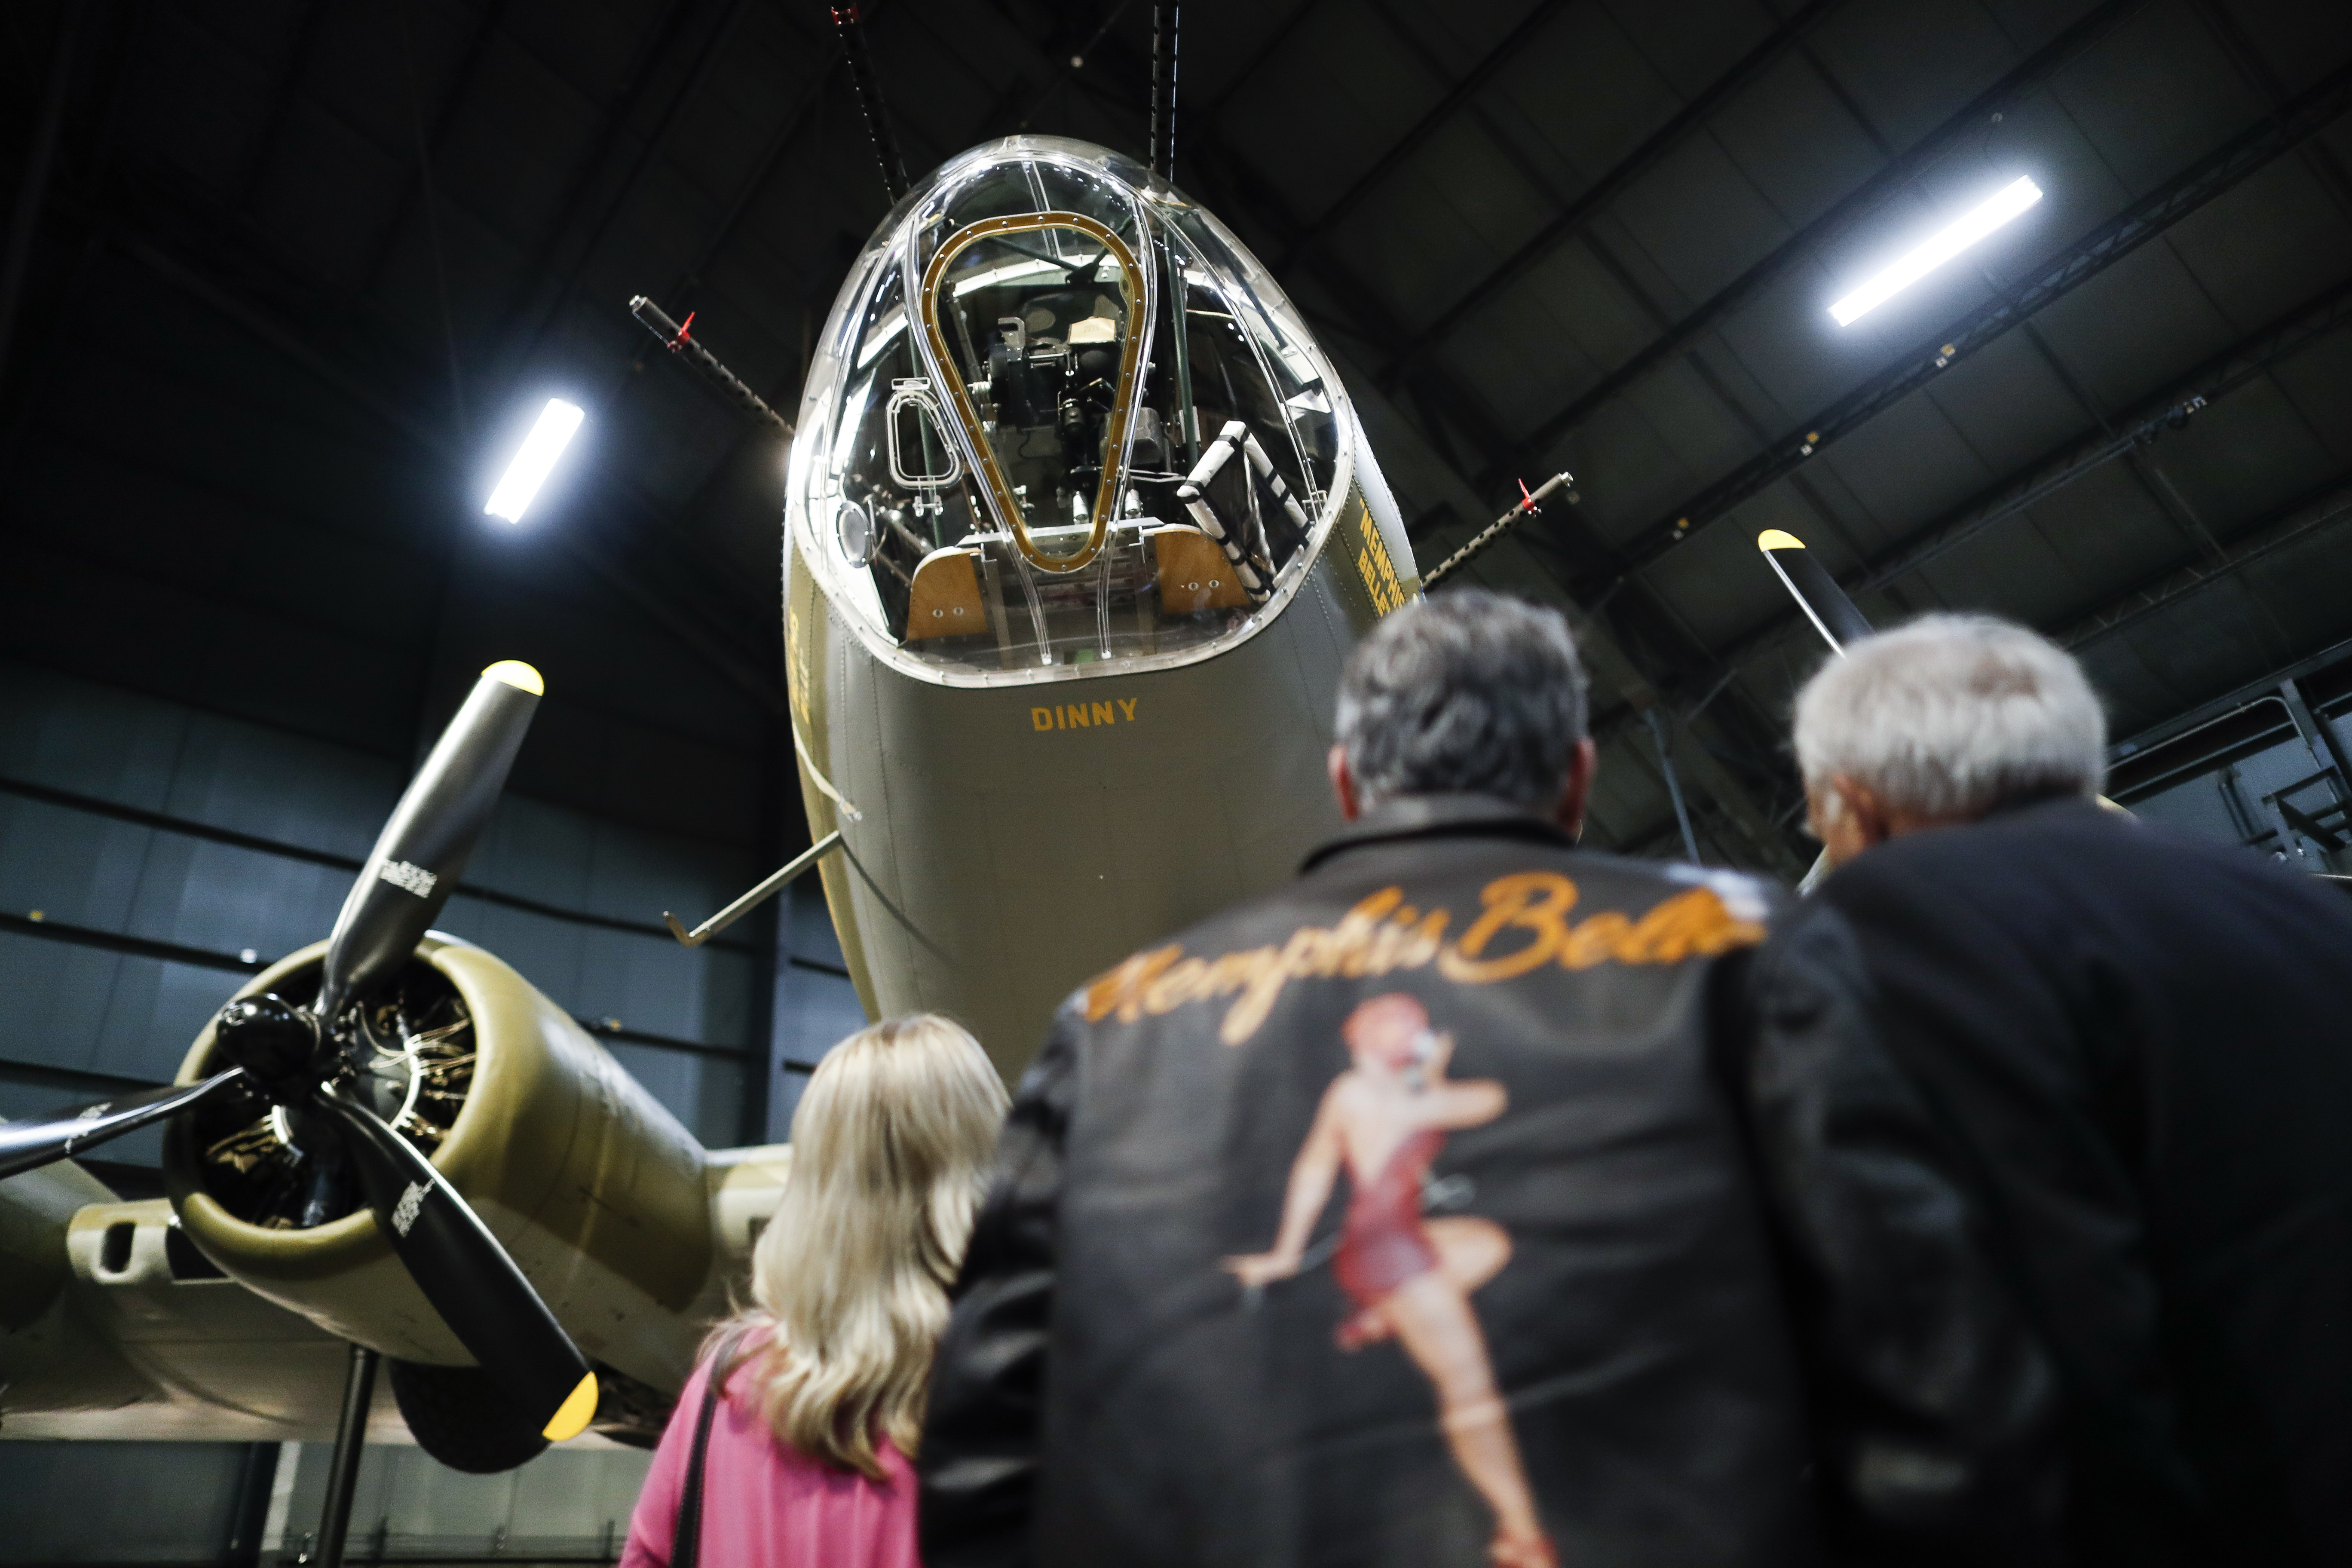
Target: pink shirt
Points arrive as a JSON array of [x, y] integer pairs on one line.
[[765, 1504]]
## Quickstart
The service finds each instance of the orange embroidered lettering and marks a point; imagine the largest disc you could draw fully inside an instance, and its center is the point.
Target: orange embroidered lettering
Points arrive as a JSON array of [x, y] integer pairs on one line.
[[1531, 901], [1692, 924], [1122, 988], [1178, 985], [1594, 940]]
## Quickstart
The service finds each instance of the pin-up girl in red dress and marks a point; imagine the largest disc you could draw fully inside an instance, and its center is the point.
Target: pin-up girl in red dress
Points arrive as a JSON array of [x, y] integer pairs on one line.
[[1411, 1277]]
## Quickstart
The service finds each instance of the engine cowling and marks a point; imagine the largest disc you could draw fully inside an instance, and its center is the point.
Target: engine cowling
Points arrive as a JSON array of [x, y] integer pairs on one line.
[[596, 1190]]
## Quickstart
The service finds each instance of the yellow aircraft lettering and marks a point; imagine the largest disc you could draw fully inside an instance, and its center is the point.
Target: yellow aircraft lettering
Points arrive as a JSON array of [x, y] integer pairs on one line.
[[1084, 715], [1379, 573]]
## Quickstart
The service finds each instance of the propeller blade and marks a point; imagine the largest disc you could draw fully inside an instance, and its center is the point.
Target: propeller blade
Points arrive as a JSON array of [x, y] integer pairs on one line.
[[25, 1144], [465, 1273], [1816, 592], [416, 862]]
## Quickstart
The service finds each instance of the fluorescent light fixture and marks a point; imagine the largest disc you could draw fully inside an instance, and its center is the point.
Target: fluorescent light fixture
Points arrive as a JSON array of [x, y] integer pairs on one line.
[[1938, 248], [529, 471]]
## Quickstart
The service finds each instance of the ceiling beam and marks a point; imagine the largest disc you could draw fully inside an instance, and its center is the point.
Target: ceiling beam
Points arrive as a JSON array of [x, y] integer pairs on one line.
[[2322, 509], [2242, 362], [2218, 172], [659, 38], [1603, 254], [1267, 50], [40, 162], [697, 74], [1671, 345], [1636, 643], [469, 64], [764, 686], [1457, 98], [2247, 360], [2230, 33], [789, 131], [1595, 198], [282, 98]]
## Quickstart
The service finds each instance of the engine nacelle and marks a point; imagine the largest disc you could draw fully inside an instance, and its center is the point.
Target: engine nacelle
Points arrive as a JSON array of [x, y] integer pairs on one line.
[[596, 1190]]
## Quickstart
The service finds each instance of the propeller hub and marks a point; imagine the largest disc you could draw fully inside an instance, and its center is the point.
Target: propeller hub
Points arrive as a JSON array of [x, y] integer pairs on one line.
[[269, 1037]]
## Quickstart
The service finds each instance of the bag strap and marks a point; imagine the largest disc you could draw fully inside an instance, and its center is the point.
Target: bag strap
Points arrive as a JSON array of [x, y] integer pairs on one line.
[[686, 1540]]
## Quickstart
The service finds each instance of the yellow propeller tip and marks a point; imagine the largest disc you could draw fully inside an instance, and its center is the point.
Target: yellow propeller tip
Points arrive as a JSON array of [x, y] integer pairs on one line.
[[519, 674], [1778, 539], [572, 1419]]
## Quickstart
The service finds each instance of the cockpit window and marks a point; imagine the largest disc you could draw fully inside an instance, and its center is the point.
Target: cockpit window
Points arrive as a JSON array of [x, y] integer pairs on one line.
[[1060, 417], [1039, 322]]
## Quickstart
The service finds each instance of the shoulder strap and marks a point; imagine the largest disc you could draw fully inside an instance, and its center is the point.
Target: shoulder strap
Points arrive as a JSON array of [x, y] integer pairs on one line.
[[686, 1540]]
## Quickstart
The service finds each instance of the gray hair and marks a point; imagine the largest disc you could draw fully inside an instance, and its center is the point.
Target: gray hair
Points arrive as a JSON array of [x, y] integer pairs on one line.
[[1470, 692], [1952, 715]]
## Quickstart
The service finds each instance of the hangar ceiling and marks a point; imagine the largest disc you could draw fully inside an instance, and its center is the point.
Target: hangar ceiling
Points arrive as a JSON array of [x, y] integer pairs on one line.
[[293, 274]]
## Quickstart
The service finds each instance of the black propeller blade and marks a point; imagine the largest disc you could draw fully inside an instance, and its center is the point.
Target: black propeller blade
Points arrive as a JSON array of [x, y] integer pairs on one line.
[[417, 859], [26, 1144], [464, 1272], [1816, 592]]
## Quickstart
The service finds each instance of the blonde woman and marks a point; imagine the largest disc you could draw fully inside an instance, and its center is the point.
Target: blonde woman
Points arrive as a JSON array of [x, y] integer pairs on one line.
[[806, 1460]]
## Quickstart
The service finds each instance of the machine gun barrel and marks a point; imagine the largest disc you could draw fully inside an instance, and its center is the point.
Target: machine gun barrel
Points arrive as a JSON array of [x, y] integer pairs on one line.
[[1528, 505], [679, 340]]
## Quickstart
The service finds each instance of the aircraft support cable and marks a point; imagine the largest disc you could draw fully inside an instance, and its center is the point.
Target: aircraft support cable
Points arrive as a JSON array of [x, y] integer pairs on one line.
[[776, 883], [1163, 90], [1662, 736], [1529, 503], [851, 28]]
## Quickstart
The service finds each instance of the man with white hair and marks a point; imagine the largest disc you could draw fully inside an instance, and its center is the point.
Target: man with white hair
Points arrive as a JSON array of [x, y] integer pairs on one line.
[[2139, 1039]]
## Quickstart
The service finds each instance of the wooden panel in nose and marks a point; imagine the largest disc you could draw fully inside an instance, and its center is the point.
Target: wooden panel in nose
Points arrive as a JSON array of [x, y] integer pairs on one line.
[[945, 599], [1193, 572]]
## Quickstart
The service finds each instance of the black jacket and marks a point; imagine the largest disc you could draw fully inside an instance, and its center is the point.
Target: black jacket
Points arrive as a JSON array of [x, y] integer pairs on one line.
[[2144, 1041], [1107, 1393]]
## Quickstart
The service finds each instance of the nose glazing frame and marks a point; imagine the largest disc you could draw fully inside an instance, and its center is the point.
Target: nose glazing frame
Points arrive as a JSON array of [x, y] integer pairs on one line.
[[1007, 505]]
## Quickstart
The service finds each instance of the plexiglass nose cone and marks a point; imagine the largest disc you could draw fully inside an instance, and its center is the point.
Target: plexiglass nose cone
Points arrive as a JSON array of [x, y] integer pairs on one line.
[[1060, 417]]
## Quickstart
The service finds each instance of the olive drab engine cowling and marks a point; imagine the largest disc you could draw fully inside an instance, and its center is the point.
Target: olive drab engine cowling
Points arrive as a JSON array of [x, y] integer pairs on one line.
[[596, 1190]]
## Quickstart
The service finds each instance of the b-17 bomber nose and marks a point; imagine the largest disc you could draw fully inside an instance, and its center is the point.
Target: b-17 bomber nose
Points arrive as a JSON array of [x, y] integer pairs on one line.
[[1064, 423]]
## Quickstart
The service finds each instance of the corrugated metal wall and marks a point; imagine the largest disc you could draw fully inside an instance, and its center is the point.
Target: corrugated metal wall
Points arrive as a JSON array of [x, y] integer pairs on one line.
[[80, 1018]]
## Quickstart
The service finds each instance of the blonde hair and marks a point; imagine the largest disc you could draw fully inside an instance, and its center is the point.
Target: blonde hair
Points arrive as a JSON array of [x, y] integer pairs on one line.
[[891, 1147]]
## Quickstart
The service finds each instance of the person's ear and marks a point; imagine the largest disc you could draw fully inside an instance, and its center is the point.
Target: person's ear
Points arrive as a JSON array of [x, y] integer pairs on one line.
[[1578, 790], [1343, 784], [1872, 825]]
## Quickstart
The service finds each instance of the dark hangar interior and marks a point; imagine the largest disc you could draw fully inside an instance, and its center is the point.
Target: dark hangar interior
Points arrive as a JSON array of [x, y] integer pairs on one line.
[[283, 282]]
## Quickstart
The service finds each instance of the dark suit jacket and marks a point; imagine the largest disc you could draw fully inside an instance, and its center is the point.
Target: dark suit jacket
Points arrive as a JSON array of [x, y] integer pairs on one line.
[[2144, 1042]]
